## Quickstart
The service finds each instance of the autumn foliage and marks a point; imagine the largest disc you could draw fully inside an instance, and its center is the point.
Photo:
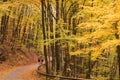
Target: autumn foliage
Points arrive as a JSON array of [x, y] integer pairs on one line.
[[81, 36]]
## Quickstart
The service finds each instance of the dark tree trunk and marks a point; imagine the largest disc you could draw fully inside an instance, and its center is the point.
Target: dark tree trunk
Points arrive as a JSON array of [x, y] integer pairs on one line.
[[115, 25], [57, 36], [50, 12], [44, 33], [4, 27], [88, 73], [118, 54]]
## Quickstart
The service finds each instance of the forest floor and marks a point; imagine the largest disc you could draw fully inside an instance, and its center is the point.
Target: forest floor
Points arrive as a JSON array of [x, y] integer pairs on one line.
[[16, 59], [21, 73], [30, 75]]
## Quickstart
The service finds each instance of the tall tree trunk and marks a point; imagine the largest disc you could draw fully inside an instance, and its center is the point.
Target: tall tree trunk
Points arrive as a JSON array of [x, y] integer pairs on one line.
[[44, 33], [52, 45], [57, 36], [115, 25]]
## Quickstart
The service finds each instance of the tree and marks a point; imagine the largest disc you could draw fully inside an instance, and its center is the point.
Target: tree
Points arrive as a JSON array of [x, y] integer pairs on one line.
[[44, 33]]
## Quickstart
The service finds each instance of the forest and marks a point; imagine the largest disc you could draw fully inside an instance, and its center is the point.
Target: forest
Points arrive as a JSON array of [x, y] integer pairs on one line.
[[81, 36]]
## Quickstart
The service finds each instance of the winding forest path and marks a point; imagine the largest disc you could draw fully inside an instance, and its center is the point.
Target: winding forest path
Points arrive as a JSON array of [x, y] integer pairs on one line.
[[15, 74]]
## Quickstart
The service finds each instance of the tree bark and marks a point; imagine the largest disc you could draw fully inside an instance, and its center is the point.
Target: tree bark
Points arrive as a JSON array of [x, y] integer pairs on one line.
[[4, 26], [44, 33], [57, 36]]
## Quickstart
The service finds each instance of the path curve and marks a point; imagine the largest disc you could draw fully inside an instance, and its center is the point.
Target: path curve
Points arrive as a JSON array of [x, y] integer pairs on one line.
[[15, 75]]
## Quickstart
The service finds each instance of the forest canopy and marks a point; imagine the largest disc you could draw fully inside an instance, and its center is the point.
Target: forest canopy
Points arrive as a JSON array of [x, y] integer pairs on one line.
[[81, 36]]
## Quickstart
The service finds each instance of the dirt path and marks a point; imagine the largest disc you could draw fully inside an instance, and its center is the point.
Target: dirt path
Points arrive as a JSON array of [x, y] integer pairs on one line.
[[15, 75]]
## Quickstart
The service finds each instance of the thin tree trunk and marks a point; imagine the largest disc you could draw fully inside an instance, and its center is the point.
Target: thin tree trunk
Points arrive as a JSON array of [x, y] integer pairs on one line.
[[57, 36], [4, 26], [88, 73]]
